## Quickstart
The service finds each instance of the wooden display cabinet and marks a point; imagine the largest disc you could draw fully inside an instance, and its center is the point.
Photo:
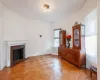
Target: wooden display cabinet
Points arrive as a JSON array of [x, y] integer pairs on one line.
[[76, 54]]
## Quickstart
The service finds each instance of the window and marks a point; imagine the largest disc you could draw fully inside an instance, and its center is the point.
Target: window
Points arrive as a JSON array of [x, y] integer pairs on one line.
[[91, 45], [56, 37], [90, 22], [91, 38], [91, 34]]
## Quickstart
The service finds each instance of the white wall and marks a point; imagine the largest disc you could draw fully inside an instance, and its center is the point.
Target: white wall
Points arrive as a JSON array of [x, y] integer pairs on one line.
[[98, 45], [1, 35], [37, 45], [14, 27], [19, 28]]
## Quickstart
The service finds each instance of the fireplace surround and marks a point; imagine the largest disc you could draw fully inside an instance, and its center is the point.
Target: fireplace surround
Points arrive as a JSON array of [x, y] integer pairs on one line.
[[12, 49]]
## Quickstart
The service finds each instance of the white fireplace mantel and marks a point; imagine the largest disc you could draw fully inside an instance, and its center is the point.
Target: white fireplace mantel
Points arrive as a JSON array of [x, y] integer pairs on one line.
[[7, 47]]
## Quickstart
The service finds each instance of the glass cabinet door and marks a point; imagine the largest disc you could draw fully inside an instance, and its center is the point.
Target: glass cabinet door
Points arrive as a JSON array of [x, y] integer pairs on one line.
[[76, 37]]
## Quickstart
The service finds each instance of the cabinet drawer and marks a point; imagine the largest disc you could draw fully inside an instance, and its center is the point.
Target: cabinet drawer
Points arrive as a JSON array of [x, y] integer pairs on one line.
[[73, 57]]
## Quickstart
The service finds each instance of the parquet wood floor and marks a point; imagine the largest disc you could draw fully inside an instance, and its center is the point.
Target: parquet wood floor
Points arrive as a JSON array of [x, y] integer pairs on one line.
[[47, 67]]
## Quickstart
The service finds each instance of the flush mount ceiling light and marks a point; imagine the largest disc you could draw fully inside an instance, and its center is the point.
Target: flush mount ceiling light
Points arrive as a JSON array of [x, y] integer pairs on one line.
[[46, 7]]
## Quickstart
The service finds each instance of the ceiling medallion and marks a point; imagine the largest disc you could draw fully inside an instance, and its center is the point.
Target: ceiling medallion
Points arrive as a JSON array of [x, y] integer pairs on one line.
[[46, 7]]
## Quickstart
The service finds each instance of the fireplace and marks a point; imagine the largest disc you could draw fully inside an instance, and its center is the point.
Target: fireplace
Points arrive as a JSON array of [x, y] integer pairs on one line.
[[17, 54]]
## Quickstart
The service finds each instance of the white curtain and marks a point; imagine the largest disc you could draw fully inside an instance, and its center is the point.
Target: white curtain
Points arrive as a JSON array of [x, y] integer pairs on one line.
[[91, 38]]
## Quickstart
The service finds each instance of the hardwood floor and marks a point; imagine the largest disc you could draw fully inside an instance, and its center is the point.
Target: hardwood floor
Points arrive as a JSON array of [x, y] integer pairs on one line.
[[47, 67]]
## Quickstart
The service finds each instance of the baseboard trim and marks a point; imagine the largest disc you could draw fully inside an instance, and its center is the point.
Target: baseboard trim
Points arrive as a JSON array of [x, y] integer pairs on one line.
[[38, 54], [54, 53]]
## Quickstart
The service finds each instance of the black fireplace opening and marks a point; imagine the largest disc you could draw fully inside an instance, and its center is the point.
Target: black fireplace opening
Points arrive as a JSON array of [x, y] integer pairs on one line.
[[17, 54]]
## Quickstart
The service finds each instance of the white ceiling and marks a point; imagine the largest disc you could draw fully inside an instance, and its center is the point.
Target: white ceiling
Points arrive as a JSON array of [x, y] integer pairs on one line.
[[33, 9]]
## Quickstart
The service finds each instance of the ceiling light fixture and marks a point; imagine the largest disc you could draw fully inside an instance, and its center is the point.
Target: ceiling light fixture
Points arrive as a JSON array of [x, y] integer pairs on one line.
[[46, 7]]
